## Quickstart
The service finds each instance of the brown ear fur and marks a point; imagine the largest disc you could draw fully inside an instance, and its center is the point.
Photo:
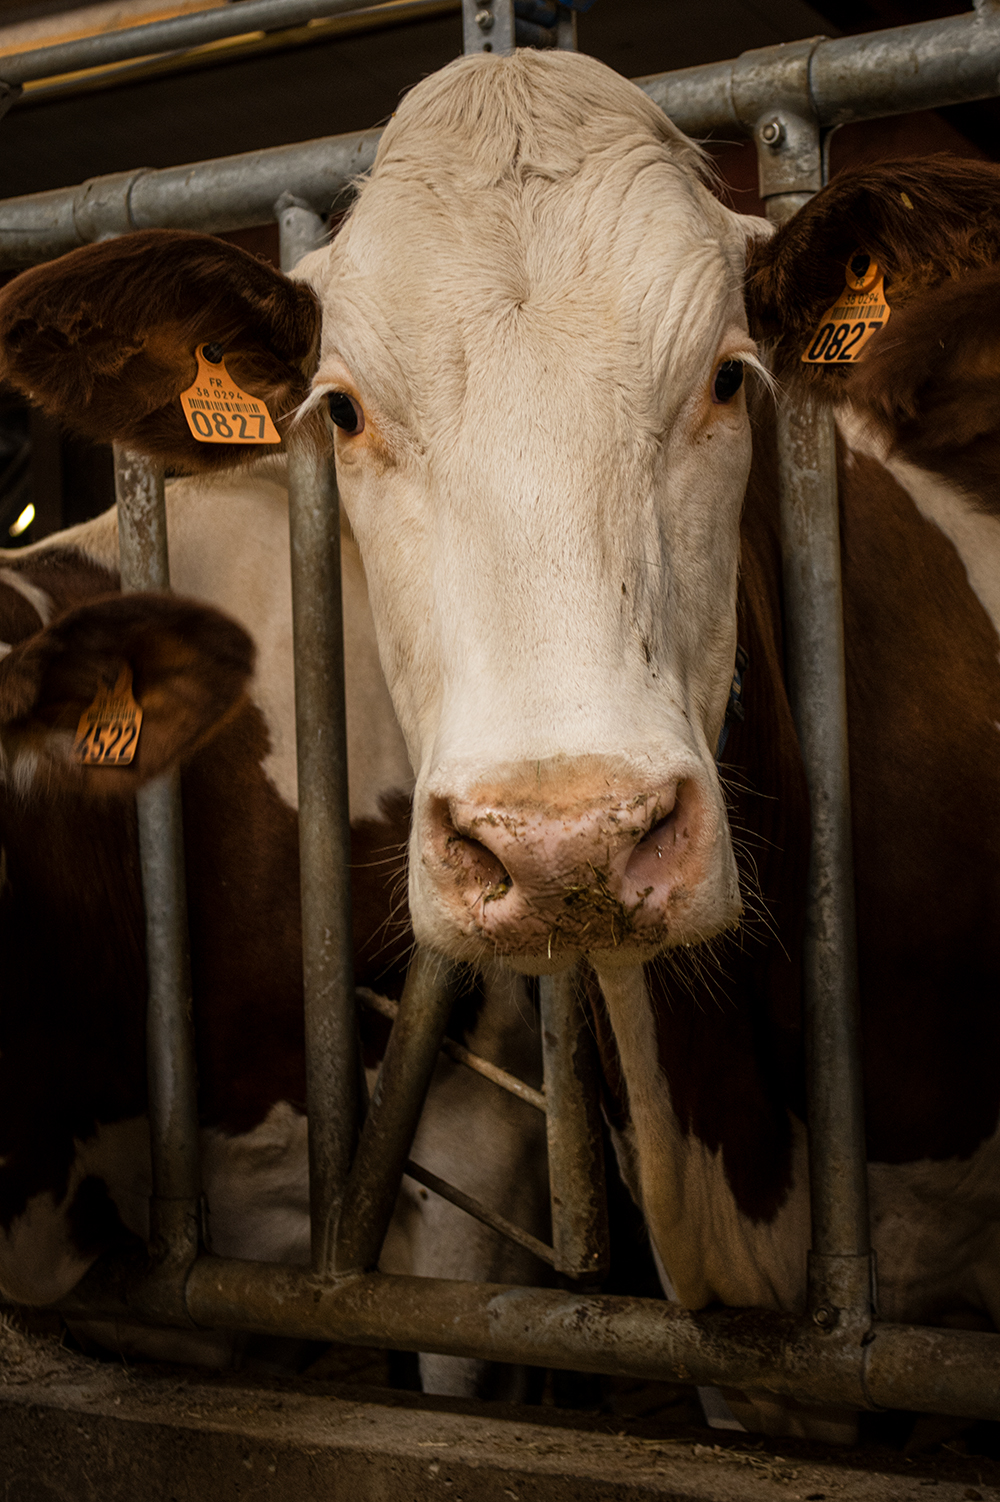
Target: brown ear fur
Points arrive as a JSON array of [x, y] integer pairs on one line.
[[931, 383], [104, 339], [924, 222], [190, 667]]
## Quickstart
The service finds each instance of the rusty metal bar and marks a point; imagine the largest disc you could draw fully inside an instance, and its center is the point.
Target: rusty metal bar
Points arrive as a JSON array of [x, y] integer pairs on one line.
[[576, 1151], [173, 1105], [386, 1007], [480, 1212], [900, 1366], [397, 1101], [332, 1067]]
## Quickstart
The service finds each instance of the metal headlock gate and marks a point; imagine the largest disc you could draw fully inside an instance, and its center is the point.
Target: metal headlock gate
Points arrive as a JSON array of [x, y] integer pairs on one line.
[[789, 98]]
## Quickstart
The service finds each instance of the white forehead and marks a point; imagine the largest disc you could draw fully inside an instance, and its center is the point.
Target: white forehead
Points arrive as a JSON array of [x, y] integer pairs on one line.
[[537, 207]]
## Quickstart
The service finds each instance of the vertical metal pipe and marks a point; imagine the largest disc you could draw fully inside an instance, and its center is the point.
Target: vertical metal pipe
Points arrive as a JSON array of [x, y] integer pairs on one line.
[[840, 1268], [573, 1122], [566, 29], [397, 1101], [324, 839], [173, 1106], [332, 1067], [300, 229]]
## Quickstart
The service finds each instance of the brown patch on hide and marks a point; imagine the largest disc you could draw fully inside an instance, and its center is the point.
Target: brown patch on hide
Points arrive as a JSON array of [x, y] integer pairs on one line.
[[931, 383], [103, 338], [923, 705], [923, 221]]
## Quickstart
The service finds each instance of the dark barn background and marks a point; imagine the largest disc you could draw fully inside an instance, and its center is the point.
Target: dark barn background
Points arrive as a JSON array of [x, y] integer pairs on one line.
[[288, 88]]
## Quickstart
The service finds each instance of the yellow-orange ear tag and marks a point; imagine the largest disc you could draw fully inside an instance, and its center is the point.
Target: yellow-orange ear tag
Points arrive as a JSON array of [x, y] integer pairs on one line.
[[217, 411], [859, 312], [108, 732]]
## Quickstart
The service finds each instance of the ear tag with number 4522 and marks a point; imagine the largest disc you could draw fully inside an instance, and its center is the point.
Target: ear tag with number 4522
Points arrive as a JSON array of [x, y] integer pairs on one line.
[[859, 312], [108, 732], [217, 411]]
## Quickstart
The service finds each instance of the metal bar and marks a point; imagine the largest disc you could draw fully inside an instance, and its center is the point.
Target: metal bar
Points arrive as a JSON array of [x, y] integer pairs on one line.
[[238, 192], [566, 29], [573, 1122], [480, 1212], [840, 1267], [175, 34], [488, 26], [814, 652], [300, 230], [397, 1101], [901, 1366], [228, 193], [386, 1007], [324, 836], [173, 1105]]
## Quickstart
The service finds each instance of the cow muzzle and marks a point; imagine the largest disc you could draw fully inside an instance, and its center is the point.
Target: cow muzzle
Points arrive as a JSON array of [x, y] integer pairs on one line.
[[541, 882]]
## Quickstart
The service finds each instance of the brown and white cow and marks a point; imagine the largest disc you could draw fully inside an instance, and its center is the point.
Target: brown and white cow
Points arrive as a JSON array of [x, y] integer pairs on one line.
[[531, 337], [74, 1154]]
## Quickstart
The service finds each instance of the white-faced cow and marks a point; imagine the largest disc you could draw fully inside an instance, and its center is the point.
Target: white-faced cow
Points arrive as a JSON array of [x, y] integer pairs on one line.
[[531, 337]]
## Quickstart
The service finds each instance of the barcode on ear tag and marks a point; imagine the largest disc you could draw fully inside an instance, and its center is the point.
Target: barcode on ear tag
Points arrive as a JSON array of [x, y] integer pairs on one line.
[[218, 411], [108, 732], [859, 312]]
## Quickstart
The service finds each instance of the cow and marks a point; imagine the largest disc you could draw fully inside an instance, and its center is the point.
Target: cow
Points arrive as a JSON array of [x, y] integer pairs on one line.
[[547, 357], [74, 1149]]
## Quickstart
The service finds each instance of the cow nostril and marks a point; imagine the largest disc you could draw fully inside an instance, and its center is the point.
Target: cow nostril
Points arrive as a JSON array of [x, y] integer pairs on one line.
[[473, 862], [661, 838]]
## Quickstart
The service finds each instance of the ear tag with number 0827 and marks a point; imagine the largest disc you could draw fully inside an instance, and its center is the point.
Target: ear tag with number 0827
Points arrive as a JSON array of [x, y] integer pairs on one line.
[[859, 312], [217, 411], [108, 732]]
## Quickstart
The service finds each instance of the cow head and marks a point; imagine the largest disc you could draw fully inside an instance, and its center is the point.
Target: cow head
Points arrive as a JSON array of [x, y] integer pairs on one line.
[[528, 345]]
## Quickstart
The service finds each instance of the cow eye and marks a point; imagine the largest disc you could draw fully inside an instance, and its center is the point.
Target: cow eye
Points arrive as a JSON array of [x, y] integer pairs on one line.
[[728, 380], [345, 411]]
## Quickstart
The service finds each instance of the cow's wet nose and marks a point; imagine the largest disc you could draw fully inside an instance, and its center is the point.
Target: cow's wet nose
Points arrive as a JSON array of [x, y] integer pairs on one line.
[[531, 879]]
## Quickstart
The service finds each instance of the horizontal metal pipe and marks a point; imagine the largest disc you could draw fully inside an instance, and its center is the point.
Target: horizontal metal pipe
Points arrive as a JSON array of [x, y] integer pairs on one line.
[[228, 193], [175, 34], [925, 66], [900, 1366], [386, 1007]]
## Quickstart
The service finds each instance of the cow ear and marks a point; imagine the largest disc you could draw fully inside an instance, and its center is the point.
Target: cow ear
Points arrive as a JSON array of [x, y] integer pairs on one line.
[[104, 339], [189, 667], [923, 221], [931, 386]]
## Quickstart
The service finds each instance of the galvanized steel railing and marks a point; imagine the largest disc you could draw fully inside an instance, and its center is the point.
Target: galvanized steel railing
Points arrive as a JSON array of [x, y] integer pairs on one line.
[[787, 98]]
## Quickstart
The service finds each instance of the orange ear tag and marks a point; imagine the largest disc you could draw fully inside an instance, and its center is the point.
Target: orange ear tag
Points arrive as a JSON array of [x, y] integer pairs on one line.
[[217, 411], [108, 732], [859, 312]]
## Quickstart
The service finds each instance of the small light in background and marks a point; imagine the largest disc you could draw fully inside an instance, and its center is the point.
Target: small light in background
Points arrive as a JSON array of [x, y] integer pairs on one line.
[[23, 522]]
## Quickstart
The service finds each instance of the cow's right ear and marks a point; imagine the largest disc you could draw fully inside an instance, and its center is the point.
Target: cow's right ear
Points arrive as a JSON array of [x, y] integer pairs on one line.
[[189, 668], [104, 339]]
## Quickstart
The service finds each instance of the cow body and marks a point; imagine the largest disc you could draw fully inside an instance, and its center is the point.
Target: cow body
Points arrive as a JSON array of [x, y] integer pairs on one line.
[[533, 333], [74, 1151]]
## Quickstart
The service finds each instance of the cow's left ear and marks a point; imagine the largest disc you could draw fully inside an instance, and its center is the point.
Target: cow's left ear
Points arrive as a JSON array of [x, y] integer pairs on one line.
[[104, 339], [189, 669], [923, 221]]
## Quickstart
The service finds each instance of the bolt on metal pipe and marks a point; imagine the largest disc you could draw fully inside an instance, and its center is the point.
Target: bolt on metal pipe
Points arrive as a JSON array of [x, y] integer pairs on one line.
[[573, 1124], [173, 1104]]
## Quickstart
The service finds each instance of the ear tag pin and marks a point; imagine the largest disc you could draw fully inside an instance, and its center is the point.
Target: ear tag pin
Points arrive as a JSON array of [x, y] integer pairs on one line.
[[108, 732], [218, 411], [859, 312]]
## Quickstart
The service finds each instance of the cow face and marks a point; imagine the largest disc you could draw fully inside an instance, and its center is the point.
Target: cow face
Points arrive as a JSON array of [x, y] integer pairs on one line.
[[532, 351]]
